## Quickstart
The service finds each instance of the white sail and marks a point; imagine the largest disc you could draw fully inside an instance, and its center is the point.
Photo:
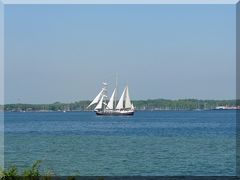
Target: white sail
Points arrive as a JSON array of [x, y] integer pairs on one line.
[[128, 104], [110, 103], [96, 99], [99, 105], [120, 102], [132, 107]]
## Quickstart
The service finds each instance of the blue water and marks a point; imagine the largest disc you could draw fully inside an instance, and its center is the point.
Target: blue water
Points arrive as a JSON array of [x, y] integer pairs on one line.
[[149, 143]]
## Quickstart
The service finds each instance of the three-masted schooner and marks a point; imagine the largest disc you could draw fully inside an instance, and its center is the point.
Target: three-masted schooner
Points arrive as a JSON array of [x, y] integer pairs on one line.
[[111, 107]]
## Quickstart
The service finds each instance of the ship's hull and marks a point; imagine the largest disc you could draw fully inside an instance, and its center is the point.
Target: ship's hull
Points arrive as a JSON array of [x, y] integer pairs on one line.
[[115, 113]]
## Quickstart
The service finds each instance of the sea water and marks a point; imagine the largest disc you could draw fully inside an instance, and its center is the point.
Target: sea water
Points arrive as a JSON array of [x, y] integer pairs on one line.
[[156, 143]]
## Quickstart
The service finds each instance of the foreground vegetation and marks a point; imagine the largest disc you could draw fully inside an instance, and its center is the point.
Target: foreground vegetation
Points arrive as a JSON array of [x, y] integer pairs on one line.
[[34, 172], [12, 172], [155, 104]]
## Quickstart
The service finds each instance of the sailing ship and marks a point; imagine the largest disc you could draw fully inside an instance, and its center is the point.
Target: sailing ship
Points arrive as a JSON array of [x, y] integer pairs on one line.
[[111, 107]]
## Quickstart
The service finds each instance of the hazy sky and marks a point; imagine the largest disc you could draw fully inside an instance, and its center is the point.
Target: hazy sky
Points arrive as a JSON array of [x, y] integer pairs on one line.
[[64, 52]]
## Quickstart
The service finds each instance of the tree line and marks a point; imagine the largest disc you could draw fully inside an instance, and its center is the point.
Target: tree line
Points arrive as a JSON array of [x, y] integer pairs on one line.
[[151, 104]]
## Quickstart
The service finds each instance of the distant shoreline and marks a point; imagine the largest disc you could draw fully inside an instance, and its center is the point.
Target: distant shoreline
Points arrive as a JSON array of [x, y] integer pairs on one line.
[[194, 110], [140, 105]]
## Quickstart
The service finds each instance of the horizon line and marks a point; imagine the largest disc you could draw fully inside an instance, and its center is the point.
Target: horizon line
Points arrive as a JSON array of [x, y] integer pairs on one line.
[[131, 100]]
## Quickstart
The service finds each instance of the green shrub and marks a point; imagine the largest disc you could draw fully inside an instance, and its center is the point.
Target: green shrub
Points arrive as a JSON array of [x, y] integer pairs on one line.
[[34, 170]]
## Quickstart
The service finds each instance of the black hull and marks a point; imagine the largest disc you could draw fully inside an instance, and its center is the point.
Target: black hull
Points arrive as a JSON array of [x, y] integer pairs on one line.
[[114, 113]]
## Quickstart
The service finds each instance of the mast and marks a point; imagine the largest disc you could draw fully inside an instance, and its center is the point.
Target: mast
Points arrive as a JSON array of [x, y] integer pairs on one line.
[[128, 104], [111, 101], [120, 102], [104, 102], [115, 98]]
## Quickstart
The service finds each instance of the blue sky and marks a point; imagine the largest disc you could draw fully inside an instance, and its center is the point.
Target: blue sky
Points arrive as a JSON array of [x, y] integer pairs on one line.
[[64, 52]]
